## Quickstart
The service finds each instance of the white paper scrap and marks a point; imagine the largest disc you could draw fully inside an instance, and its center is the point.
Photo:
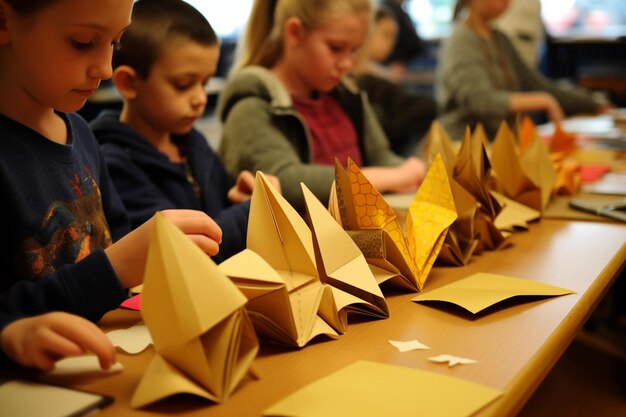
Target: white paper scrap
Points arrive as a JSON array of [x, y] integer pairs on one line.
[[405, 346], [132, 340], [452, 360], [88, 364]]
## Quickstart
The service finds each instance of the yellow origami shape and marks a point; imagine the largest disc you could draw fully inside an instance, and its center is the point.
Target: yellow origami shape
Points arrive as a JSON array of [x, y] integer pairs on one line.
[[430, 215], [203, 337], [374, 226]]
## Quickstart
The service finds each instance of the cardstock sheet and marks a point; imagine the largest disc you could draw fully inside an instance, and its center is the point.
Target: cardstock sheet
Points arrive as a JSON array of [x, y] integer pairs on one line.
[[370, 389], [479, 291]]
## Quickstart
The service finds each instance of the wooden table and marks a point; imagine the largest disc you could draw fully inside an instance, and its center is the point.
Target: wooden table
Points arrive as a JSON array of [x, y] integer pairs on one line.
[[516, 343]]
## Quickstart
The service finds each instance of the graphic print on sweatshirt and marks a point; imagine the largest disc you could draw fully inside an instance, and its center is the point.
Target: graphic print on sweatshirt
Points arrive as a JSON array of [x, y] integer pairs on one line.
[[69, 231]]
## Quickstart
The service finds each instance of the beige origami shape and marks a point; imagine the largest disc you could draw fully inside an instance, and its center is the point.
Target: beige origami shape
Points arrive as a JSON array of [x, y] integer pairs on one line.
[[512, 177], [291, 318], [341, 264], [461, 241], [537, 164], [472, 170], [287, 301], [299, 283], [203, 337], [471, 182], [438, 143]]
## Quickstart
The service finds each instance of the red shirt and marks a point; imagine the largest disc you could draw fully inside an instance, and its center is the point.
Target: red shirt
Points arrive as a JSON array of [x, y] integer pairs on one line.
[[332, 130]]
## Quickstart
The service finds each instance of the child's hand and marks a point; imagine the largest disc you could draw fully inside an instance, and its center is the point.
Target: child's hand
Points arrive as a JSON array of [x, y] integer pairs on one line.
[[128, 255], [242, 190], [401, 179], [408, 176], [39, 341], [553, 109]]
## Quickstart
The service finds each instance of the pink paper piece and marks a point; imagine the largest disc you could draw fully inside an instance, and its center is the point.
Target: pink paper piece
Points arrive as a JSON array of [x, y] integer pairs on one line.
[[132, 303]]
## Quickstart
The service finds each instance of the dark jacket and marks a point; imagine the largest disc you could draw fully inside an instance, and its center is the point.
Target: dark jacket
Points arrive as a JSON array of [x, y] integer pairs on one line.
[[60, 211], [148, 181]]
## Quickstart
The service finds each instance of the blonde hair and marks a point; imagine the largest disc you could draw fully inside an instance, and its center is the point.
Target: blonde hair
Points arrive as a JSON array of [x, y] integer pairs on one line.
[[262, 42]]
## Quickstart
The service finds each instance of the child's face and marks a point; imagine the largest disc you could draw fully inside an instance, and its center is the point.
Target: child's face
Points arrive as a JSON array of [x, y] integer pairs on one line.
[[382, 39], [327, 52], [58, 56], [173, 96], [489, 9]]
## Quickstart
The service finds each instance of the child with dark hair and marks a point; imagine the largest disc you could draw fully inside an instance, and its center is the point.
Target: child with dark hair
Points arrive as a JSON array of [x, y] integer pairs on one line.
[[155, 157], [404, 115]]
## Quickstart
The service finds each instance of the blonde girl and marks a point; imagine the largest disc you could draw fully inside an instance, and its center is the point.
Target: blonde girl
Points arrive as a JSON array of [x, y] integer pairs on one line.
[[289, 110]]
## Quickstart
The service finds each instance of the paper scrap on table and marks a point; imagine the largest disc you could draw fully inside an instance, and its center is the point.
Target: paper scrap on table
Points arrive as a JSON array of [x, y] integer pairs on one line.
[[452, 360], [479, 291], [370, 389], [132, 303], [132, 340], [408, 345], [87, 364]]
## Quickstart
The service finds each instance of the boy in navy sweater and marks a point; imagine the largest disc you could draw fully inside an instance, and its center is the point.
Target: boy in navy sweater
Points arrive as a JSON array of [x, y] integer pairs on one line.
[[155, 157]]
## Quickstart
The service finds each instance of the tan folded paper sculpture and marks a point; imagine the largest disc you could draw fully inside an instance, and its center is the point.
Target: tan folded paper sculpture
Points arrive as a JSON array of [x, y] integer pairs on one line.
[[372, 223], [341, 264], [528, 179], [204, 340], [300, 282], [473, 172], [471, 182]]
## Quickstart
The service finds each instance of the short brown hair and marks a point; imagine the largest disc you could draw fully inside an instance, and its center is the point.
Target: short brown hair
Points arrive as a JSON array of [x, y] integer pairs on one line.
[[155, 23]]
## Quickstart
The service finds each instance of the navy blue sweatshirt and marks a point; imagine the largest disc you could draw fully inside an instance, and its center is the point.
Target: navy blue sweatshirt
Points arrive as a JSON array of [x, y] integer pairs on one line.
[[60, 211], [148, 181]]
